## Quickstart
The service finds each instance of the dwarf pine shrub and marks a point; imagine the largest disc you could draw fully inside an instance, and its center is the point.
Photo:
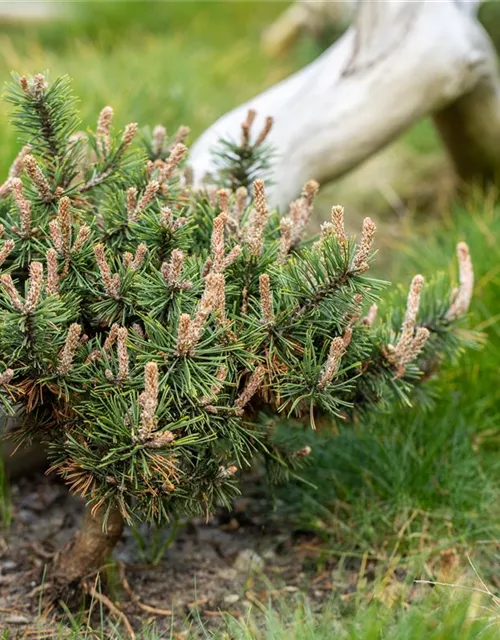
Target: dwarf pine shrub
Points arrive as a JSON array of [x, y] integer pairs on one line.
[[150, 333]]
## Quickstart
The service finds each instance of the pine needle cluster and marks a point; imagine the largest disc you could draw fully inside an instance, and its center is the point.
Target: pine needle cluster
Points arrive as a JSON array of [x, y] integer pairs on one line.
[[240, 162], [151, 334]]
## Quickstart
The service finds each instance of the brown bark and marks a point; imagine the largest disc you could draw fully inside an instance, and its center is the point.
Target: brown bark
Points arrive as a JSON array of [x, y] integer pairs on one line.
[[89, 549]]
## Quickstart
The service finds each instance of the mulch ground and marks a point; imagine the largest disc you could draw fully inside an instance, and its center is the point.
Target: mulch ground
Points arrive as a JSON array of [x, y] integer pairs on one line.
[[235, 561]]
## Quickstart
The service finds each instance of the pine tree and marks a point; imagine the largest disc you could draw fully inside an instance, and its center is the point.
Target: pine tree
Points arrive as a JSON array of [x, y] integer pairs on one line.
[[152, 334]]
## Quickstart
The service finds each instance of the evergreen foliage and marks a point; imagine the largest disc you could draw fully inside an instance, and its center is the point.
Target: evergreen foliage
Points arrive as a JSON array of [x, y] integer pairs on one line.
[[150, 334], [239, 163]]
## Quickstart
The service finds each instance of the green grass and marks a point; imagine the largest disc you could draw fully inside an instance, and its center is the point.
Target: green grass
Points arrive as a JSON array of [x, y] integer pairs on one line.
[[446, 614], [174, 62], [440, 620]]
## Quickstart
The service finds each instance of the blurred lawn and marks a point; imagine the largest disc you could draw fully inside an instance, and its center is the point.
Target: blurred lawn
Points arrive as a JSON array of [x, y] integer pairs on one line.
[[174, 62]]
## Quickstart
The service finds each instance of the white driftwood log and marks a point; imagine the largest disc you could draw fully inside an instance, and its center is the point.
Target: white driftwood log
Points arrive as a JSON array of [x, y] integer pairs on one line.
[[400, 61]]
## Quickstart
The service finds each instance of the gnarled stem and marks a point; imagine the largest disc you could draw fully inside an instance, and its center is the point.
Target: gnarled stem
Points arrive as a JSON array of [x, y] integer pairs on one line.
[[90, 548]]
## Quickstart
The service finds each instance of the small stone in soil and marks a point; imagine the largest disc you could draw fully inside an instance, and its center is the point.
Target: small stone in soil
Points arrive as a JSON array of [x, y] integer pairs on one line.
[[231, 598], [7, 566], [227, 574], [16, 619], [248, 560]]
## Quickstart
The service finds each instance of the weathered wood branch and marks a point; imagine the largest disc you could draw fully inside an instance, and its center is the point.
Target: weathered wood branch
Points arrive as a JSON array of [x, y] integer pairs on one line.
[[306, 16], [399, 62]]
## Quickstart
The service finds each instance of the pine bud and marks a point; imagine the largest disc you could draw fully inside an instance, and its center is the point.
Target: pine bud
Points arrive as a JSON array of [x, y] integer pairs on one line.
[[5, 188], [364, 247], [286, 226], [421, 336], [227, 472], [166, 217], [410, 342], [111, 337], [461, 302], [16, 167], [52, 272], [244, 301], [207, 267], [301, 210], [23, 83], [309, 191], [182, 133], [159, 135], [35, 286], [6, 376], [24, 207], [347, 337], [231, 257], [253, 385], [140, 254], [217, 242], [55, 235], [223, 195], [111, 283], [338, 225], [264, 133], [160, 440], [6, 250], [246, 127], [371, 316], [15, 170], [266, 299], [303, 453], [64, 219], [149, 193], [38, 86], [327, 229], [131, 202], [240, 204], [413, 303], [213, 298], [332, 364], [122, 352], [104, 131], [184, 335], [257, 223], [128, 135], [149, 401], [172, 270], [68, 351], [11, 291], [81, 238], [175, 157], [127, 259], [139, 330], [38, 178]]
